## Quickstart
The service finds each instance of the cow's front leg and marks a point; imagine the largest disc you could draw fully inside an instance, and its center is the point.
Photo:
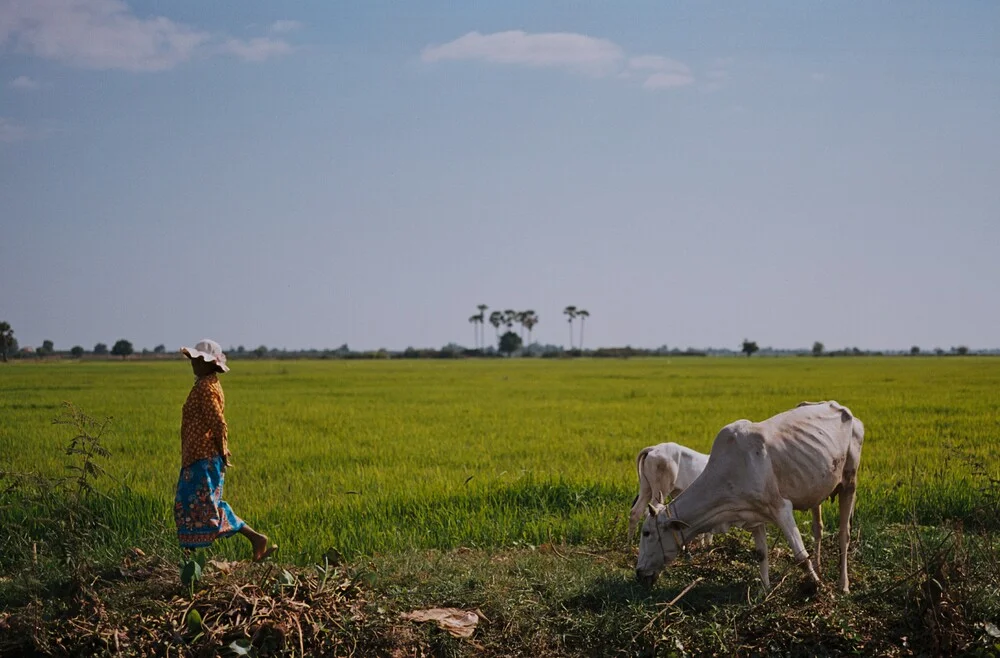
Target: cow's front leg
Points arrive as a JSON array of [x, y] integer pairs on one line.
[[785, 519], [760, 543]]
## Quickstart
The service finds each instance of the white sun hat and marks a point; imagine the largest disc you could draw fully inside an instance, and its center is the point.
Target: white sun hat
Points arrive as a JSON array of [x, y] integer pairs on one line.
[[208, 350]]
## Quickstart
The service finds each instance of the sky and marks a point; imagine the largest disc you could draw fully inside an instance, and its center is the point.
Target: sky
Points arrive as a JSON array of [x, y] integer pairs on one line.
[[303, 175]]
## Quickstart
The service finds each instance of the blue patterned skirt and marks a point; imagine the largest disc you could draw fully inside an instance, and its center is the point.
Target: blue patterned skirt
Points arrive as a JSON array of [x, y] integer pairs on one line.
[[199, 511]]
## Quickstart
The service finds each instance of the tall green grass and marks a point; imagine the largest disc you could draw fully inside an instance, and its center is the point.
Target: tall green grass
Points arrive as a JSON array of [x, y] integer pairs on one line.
[[370, 457]]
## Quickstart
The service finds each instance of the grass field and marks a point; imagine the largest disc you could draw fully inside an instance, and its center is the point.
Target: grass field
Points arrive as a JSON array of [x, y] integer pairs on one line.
[[381, 457]]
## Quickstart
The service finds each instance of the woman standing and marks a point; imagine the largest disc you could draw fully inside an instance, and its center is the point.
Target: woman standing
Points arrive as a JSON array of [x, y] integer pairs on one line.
[[199, 511]]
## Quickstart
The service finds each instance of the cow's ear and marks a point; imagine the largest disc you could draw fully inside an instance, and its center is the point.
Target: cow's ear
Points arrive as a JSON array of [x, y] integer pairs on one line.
[[676, 524], [651, 509]]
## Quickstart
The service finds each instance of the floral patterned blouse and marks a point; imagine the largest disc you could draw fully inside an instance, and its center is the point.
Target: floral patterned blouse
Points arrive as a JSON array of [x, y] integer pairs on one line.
[[203, 425]]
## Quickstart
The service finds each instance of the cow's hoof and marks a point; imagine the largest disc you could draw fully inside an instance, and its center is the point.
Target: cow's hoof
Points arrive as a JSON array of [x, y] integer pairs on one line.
[[646, 580], [809, 587]]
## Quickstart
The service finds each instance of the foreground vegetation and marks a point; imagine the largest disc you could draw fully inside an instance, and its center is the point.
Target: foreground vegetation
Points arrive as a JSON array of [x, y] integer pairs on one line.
[[502, 486]]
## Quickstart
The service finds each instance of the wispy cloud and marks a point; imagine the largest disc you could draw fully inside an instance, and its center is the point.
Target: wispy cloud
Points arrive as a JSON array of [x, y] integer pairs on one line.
[[660, 72], [285, 26], [256, 50], [24, 82], [106, 34], [817, 77], [577, 53], [11, 131], [717, 75], [15, 131]]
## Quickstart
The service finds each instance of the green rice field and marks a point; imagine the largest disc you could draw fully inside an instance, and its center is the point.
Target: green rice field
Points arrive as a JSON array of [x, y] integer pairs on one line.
[[382, 456]]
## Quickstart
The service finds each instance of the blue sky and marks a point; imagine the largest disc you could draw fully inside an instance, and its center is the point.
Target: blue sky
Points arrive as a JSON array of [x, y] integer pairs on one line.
[[314, 173]]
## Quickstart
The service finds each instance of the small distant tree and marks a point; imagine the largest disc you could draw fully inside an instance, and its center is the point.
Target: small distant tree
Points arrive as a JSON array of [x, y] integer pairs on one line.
[[241, 350], [122, 348], [510, 342], [749, 347], [817, 348], [159, 349], [47, 348], [100, 348], [915, 350], [962, 350], [7, 340], [260, 351], [77, 351], [938, 351]]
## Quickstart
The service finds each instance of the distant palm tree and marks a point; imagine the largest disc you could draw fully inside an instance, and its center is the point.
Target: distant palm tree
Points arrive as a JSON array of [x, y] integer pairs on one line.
[[583, 314], [519, 317], [496, 319], [509, 316], [482, 324], [530, 320], [474, 319], [570, 313]]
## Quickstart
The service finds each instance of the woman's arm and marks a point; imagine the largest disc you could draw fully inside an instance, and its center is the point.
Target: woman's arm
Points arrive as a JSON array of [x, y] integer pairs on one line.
[[217, 422]]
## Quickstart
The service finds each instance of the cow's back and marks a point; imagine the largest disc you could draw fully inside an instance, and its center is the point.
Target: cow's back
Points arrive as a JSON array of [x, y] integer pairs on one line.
[[808, 448]]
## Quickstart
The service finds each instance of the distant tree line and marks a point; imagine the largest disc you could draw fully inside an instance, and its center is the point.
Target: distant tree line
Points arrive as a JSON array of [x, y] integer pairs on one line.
[[509, 343]]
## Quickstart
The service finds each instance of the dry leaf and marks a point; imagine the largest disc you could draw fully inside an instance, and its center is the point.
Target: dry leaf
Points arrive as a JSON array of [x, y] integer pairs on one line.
[[460, 623], [222, 566]]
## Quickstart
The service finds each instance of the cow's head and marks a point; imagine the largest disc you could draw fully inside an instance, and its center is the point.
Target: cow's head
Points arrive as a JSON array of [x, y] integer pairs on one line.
[[659, 544]]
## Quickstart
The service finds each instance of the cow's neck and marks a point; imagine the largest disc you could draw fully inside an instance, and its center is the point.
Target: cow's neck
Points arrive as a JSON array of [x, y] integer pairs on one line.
[[703, 513]]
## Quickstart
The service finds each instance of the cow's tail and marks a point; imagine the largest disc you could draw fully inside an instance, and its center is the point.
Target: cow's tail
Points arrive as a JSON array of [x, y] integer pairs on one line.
[[640, 472]]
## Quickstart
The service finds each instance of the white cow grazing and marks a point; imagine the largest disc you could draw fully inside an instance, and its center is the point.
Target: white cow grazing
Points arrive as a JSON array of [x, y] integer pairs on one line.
[[757, 473], [665, 469]]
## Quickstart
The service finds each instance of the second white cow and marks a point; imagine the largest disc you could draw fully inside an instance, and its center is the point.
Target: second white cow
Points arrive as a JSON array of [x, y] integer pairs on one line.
[[757, 473], [665, 470]]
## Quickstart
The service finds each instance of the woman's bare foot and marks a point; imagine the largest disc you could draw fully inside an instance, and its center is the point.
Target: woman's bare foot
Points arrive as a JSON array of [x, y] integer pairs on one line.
[[264, 551], [262, 548]]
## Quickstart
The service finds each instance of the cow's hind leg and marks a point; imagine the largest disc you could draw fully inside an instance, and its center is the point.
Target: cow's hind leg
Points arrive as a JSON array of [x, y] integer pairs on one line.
[[645, 494], [848, 491], [760, 544], [638, 509], [786, 521], [846, 509], [817, 528]]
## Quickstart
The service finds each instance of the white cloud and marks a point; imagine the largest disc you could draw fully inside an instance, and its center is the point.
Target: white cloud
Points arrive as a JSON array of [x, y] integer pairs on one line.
[[285, 26], [818, 77], [256, 50], [575, 52], [103, 34], [24, 82]]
